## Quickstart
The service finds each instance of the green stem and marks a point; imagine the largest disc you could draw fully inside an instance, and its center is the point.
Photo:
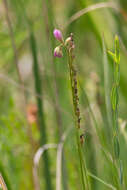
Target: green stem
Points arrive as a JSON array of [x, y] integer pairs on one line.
[[81, 161], [41, 121], [115, 102], [85, 183], [101, 181]]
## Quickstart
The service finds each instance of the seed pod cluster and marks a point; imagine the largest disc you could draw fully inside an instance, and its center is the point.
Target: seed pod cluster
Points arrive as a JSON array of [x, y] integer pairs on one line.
[[71, 47], [76, 98]]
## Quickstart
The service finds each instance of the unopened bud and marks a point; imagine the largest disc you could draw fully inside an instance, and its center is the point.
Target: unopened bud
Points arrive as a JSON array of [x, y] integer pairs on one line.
[[58, 35], [68, 40], [58, 52]]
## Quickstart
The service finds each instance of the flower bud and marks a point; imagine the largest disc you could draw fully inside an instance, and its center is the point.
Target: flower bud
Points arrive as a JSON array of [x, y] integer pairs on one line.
[[58, 52], [58, 35], [68, 40]]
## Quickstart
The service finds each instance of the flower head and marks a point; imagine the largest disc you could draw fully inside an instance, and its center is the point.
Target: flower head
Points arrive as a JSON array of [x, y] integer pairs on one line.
[[58, 52], [58, 35]]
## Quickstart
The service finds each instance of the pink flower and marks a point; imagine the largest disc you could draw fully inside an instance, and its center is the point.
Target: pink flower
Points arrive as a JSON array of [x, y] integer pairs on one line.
[[58, 35], [58, 52]]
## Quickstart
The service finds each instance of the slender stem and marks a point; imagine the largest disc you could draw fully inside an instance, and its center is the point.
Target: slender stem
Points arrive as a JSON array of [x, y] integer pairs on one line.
[[114, 102], [41, 121], [75, 98], [80, 160], [100, 180]]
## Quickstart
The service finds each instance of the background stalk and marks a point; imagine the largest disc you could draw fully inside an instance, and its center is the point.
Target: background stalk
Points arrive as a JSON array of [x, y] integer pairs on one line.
[[38, 89], [20, 78], [49, 27]]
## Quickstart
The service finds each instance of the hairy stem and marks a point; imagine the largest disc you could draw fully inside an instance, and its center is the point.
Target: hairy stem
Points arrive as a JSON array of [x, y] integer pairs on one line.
[[73, 79]]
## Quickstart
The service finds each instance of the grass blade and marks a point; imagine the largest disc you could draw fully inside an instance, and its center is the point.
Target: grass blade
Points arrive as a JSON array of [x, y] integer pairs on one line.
[[42, 125], [101, 181], [107, 87], [91, 8]]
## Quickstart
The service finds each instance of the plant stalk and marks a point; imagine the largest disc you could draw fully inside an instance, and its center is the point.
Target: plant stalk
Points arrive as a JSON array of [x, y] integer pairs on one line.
[[41, 121], [73, 79]]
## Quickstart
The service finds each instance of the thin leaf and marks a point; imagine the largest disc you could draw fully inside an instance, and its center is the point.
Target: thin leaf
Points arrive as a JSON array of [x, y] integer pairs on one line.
[[107, 85], [102, 181]]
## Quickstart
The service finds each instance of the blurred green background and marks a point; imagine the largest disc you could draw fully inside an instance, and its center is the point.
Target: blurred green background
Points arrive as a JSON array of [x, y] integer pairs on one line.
[[35, 95]]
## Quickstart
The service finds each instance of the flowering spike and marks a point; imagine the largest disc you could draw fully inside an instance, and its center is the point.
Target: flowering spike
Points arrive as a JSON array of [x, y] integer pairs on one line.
[[58, 35], [58, 52]]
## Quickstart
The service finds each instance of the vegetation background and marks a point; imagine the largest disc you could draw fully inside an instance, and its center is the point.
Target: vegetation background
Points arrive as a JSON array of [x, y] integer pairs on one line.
[[35, 93]]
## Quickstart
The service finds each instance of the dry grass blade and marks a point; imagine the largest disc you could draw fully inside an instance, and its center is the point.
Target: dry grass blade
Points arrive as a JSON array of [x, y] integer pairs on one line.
[[59, 162], [2, 183], [92, 8], [36, 160], [40, 151], [38, 155]]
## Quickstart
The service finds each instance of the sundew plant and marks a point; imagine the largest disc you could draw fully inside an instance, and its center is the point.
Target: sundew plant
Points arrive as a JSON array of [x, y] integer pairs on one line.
[[63, 116]]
